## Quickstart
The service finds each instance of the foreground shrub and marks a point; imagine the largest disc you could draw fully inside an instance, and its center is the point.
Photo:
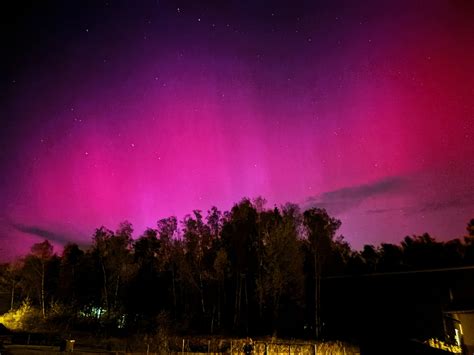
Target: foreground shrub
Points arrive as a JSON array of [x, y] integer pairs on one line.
[[26, 317]]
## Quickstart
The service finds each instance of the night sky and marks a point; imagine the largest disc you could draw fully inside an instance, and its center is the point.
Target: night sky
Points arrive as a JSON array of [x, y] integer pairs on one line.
[[138, 110]]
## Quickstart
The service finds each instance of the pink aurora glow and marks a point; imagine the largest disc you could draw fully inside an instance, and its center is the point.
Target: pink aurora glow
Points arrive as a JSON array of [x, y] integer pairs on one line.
[[144, 129]]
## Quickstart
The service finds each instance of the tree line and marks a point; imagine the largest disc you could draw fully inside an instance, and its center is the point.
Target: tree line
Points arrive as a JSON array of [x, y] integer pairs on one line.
[[250, 270]]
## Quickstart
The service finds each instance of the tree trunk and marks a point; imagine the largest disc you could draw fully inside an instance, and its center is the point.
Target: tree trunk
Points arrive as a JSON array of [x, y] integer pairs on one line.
[[316, 297], [116, 291], [106, 295], [276, 310], [73, 296], [218, 306], [42, 290], [246, 306], [201, 291], [319, 327], [238, 296], [212, 319], [174, 292], [12, 299]]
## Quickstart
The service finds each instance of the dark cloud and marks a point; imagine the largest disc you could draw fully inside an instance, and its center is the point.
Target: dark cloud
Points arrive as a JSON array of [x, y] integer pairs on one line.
[[429, 204], [366, 190], [382, 210], [347, 198], [445, 203], [52, 236]]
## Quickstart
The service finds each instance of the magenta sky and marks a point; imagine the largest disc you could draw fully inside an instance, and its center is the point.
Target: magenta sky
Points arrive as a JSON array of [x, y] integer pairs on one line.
[[115, 112]]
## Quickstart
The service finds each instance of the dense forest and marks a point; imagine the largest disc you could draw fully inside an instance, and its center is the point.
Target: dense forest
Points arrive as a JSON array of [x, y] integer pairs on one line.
[[251, 270]]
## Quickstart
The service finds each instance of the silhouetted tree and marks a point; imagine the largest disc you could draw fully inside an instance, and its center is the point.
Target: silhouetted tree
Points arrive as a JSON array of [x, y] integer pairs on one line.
[[170, 256], [391, 257], [371, 257], [282, 261], [241, 271], [113, 254], [10, 277], [342, 258], [470, 228], [239, 236], [453, 253], [422, 251], [469, 243], [35, 268], [143, 300], [321, 229], [70, 261]]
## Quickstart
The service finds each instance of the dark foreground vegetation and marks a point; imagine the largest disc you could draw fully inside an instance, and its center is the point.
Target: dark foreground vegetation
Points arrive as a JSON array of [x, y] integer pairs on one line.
[[250, 271]]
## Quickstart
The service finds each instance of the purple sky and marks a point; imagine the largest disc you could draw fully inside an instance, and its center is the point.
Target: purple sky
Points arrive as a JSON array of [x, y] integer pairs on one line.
[[114, 112]]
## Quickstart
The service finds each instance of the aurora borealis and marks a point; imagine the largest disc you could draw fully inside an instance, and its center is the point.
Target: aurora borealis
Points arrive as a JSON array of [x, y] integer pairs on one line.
[[115, 110]]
